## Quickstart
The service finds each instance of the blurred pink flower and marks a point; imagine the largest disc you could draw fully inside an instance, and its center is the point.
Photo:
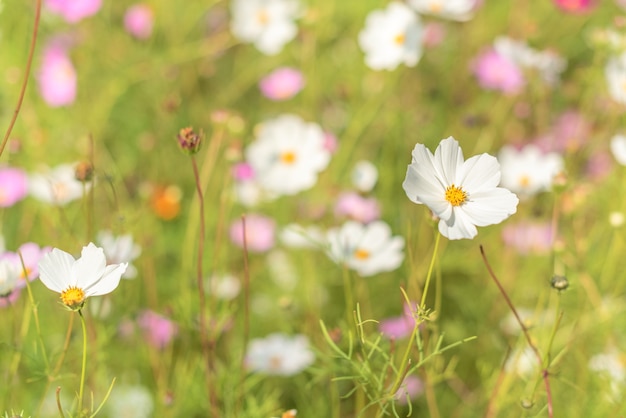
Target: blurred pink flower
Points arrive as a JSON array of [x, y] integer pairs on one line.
[[260, 231], [243, 171], [574, 6], [399, 326], [31, 254], [139, 21], [74, 10], [411, 388], [158, 330], [434, 34], [57, 77], [529, 237], [10, 299], [357, 207], [495, 72], [330, 142], [282, 84], [569, 133], [13, 186], [599, 165]]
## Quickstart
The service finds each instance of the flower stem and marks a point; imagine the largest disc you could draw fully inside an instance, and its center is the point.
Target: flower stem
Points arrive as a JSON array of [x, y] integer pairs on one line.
[[430, 272], [84, 365]]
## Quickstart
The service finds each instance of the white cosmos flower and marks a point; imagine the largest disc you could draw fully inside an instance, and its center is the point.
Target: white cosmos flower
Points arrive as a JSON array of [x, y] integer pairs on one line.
[[279, 354], [618, 148], [364, 176], [460, 10], [462, 194], [392, 37], [76, 280], [268, 24], [120, 249], [9, 277], [528, 171], [57, 186], [615, 73], [368, 249], [287, 155]]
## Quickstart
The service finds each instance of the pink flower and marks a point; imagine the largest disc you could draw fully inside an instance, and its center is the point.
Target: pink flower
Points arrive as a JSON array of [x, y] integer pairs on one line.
[[434, 34], [31, 254], [495, 72], [157, 329], [330, 142], [10, 299], [74, 10], [354, 206], [569, 133], [57, 77], [13, 186], [599, 165], [282, 84], [529, 237], [399, 326], [260, 231], [139, 20], [411, 388], [574, 6], [243, 171]]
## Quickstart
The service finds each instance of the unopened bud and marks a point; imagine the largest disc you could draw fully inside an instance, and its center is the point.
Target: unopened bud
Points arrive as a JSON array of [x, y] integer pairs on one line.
[[189, 141], [83, 171], [559, 283]]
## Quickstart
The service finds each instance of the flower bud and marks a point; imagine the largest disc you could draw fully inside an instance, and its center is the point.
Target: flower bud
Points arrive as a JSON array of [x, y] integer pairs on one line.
[[83, 171], [559, 283], [189, 141]]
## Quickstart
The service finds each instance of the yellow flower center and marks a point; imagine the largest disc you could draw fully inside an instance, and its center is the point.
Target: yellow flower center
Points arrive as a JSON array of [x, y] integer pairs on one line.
[[275, 363], [73, 297], [399, 39], [435, 6], [262, 17], [524, 181], [288, 157], [456, 195], [360, 254]]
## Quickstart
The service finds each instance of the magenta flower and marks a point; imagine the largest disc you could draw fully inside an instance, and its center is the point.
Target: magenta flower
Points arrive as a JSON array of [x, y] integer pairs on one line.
[[357, 207], [260, 233], [74, 10], [495, 72], [574, 6], [57, 77], [243, 171], [282, 84], [139, 21], [13, 186], [157, 329]]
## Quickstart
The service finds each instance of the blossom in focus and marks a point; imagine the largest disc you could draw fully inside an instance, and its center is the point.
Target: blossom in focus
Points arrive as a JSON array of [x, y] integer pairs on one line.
[[120, 249], [268, 24], [615, 73], [130, 401], [279, 354], [618, 148], [287, 155], [57, 77], [139, 20], [496, 72], [354, 206], [259, 233], [392, 37], [158, 330], [282, 84], [77, 280], [459, 10], [364, 176], [574, 6], [74, 11], [368, 249], [462, 194], [528, 171], [57, 186], [31, 253], [529, 237], [411, 388], [13, 186]]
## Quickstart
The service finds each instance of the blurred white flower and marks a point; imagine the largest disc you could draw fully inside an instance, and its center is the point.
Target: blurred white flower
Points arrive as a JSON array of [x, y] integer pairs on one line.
[[611, 364], [462, 194], [460, 10], [130, 402], [522, 362], [368, 249], [57, 186], [364, 176], [297, 236], [120, 249], [548, 63], [279, 354], [287, 155], [615, 73], [268, 24], [392, 37], [9, 277], [528, 171], [225, 287], [282, 270], [76, 280], [616, 219], [618, 148]]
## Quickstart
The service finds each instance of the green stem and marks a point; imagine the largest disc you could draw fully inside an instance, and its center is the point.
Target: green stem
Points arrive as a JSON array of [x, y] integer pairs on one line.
[[430, 272], [84, 365], [349, 297]]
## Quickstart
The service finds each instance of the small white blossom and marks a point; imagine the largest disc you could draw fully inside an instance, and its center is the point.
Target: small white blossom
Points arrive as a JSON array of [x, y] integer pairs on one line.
[[548, 63], [57, 186], [615, 73], [368, 249], [225, 287], [364, 176], [9, 277], [460, 10], [528, 171], [120, 249], [268, 24], [612, 366], [392, 37], [522, 362], [130, 402], [618, 148], [279, 354], [287, 155]]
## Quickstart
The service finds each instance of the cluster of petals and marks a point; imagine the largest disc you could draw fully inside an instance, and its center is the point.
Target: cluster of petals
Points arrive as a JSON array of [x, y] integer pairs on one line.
[[391, 37], [528, 171], [13, 186], [287, 155], [57, 78], [139, 20], [57, 186], [368, 249], [74, 11], [462, 194], [158, 330], [279, 354], [282, 84], [120, 249], [255, 232], [268, 24]]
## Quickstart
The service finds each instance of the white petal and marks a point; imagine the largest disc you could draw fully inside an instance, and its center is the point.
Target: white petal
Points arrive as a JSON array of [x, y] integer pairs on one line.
[[481, 172], [448, 158], [492, 207], [88, 269], [55, 270], [109, 281], [618, 148], [458, 227]]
